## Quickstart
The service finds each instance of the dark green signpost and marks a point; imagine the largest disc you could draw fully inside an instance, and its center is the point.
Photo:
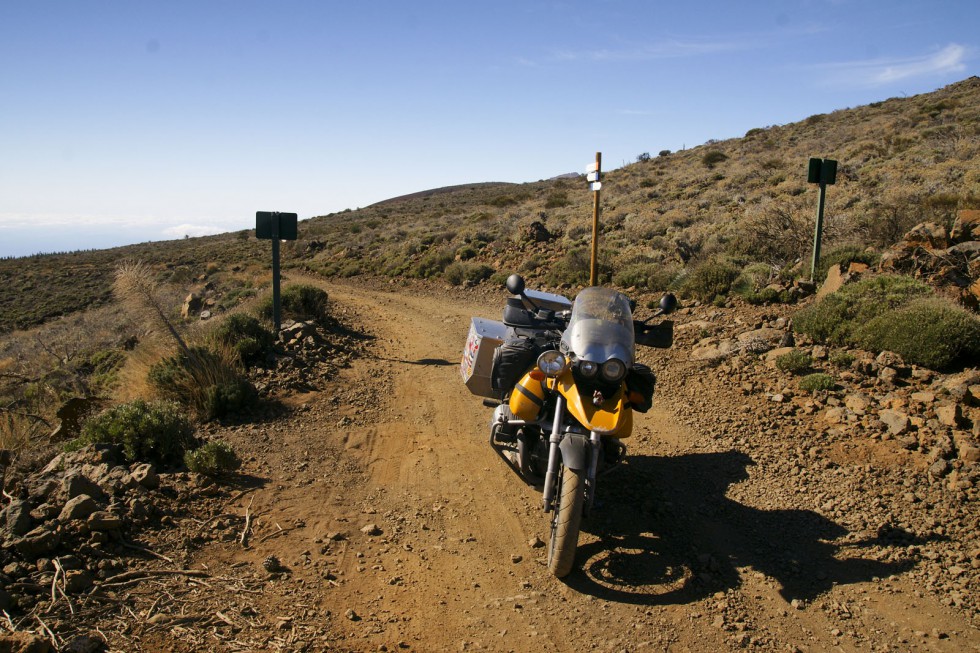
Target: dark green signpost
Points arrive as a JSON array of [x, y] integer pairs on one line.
[[275, 226], [823, 172]]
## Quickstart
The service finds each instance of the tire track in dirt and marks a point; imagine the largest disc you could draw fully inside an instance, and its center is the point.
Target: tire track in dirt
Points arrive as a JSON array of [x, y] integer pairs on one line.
[[435, 451]]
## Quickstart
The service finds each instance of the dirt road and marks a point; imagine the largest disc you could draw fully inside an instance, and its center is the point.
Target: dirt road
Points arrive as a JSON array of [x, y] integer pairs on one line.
[[398, 527]]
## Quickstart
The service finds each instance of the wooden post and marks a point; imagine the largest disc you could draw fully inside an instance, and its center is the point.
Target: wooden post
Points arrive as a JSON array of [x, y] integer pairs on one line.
[[593, 267]]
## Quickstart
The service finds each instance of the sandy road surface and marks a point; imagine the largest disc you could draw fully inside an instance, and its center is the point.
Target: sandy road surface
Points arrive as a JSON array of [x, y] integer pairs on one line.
[[670, 562]]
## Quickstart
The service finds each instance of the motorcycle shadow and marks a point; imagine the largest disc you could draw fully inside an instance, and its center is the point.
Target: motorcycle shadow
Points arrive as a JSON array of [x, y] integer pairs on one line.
[[668, 534]]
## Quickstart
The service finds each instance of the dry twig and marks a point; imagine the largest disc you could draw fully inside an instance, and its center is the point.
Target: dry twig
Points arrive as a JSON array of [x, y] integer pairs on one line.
[[274, 533], [146, 551], [243, 540], [138, 575], [51, 635]]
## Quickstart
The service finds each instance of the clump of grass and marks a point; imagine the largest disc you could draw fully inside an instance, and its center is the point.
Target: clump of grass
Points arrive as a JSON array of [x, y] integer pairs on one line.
[[202, 380], [817, 381], [136, 287], [794, 362], [17, 431], [928, 331], [711, 279], [556, 200], [713, 158], [459, 273], [246, 336], [836, 317], [156, 431], [299, 302], [214, 458], [842, 358]]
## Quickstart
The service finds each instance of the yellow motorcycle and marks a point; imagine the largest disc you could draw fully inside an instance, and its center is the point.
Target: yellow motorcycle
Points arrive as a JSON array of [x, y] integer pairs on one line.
[[564, 383]]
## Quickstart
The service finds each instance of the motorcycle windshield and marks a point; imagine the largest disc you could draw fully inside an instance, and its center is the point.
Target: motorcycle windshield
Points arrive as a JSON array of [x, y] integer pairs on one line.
[[601, 327]]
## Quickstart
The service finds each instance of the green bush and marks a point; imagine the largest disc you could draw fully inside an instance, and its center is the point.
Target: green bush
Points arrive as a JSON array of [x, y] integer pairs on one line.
[[156, 432], [794, 362], [928, 331], [842, 358], [433, 262], [203, 381], [459, 273], [834, 318], [817, 381], [710, 279], [637, 275], [466, 252], [713, 158], [246, 336], [212, 459], [752, 278], [299, 302]]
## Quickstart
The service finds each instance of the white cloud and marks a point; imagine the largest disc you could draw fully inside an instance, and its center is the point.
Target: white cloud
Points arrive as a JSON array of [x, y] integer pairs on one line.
[[878, 72], [194, 230], [22, 220]]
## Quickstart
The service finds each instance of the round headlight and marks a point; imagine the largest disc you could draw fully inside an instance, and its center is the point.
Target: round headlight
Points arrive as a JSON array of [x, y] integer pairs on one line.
[[613, 370], [552, 362], [588, 369]]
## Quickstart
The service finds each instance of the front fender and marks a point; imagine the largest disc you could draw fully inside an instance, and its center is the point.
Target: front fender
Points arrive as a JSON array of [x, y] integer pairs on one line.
[[575, 449], [614, 417]]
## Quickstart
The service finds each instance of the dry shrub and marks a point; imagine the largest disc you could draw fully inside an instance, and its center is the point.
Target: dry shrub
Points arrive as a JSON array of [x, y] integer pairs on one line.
[[18, 431], [779, 232], [205, 379]]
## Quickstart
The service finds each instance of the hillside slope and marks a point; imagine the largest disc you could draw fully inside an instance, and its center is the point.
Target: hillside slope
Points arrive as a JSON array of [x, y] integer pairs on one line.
[[902, 161]]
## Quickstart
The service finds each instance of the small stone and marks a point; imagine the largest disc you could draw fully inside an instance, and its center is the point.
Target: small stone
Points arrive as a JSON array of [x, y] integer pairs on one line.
[[85, 644], [146, 475], [78, 580], [37, 542], [951, 415], [535, 542], [351, 615], [516, 558], [79, 507], [19, 520], [897, 423], [888, 374], [371, 529], [77, 483], [103, 520], [939, 468]]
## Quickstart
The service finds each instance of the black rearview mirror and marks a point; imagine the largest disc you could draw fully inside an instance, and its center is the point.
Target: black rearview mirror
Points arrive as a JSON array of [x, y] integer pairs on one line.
[[515, 284]]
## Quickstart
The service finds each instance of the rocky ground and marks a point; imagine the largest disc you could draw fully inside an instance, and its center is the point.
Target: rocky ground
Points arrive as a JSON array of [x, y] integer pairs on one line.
[[371, 514]]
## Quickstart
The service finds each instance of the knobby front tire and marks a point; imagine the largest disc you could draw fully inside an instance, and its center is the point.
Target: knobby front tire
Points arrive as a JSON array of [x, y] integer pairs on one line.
[[566, 522]]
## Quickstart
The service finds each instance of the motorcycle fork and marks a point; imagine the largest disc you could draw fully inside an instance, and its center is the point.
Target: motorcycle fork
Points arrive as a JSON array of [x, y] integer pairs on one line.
[[551, 476], [596, 441]]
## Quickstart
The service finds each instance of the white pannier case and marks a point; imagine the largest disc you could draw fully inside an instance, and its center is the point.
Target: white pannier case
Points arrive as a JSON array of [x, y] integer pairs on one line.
[[484, 338]]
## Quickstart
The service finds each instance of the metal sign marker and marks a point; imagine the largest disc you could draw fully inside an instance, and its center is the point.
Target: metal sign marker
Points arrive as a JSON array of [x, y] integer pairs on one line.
[[823, 172], [275, 226]]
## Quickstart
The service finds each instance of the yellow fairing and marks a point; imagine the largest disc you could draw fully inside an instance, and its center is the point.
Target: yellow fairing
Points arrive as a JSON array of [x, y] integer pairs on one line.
[[614, 417], [527, 398]]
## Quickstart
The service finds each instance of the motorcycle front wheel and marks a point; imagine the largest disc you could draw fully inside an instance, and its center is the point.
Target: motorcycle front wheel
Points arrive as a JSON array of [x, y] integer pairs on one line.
[[566, 521]]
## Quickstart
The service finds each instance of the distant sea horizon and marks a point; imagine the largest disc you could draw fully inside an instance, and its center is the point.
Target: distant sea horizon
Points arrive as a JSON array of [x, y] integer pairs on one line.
[[21, 241]]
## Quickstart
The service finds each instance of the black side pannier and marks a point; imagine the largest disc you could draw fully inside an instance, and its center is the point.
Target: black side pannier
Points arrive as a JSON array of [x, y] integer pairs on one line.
[[640, 383], [510, 361]]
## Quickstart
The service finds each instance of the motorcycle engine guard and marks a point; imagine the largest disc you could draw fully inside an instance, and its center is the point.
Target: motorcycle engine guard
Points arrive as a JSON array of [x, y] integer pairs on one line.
[[575, 449]]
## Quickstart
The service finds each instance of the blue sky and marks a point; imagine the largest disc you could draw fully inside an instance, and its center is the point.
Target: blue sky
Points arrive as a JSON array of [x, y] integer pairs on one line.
[[128, 121]]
